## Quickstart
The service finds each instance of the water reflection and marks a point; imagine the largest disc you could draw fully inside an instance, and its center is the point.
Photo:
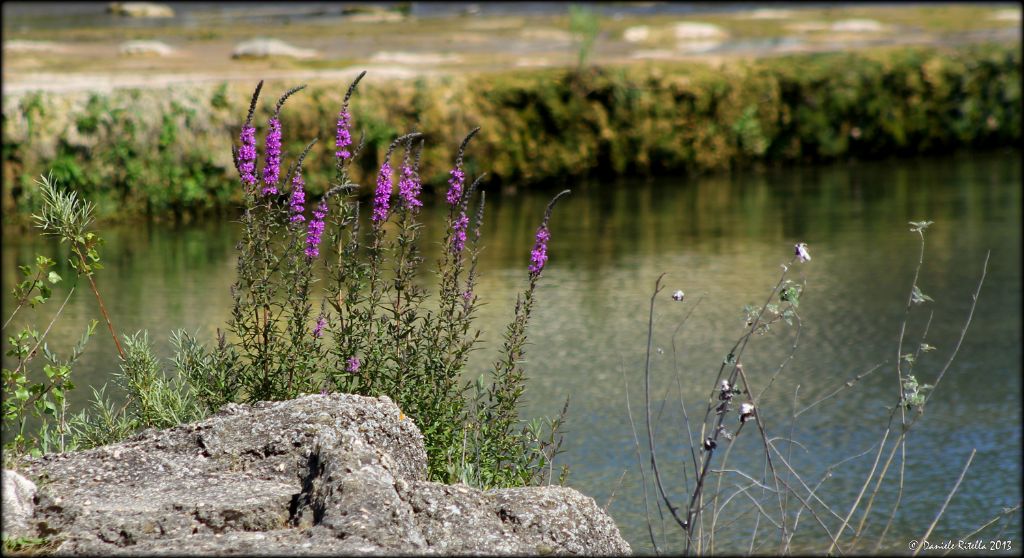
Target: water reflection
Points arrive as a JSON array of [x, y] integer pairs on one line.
[[721, 239]]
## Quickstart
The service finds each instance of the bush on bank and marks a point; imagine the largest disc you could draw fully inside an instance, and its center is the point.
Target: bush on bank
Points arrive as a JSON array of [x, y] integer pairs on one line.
[[166, 152]]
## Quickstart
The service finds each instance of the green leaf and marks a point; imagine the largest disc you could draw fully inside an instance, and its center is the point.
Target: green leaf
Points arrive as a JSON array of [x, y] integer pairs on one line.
[[53, 277]]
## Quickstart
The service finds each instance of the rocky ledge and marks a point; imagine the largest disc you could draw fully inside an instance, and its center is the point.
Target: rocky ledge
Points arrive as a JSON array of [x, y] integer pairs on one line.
[[322, 474]]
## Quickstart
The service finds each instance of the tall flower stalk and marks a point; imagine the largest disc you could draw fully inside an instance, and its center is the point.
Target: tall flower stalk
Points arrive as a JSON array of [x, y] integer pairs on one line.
[[272, 166], [349, 273], [272, 152], [316, 229], [343, 138], [377, 324], [409, 184], [500, 414], [245, 156]]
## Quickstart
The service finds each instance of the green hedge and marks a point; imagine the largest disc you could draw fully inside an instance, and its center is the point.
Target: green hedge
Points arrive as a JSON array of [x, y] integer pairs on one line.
[[167, 151]]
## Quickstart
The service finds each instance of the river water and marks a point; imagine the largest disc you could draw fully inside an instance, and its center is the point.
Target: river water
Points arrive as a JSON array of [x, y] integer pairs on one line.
[[721, 239]]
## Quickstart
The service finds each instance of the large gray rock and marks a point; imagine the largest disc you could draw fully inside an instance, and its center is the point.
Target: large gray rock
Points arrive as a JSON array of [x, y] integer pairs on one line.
[[18, 503], [335, 474]]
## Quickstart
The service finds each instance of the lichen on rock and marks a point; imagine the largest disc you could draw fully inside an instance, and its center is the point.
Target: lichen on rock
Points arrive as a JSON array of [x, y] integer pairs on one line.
[[321, 474]]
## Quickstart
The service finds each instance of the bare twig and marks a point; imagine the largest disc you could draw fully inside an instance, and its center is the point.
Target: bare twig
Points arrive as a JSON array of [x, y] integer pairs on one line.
[[1003, 514], [647, 399], [949, 497], [860, 495], [967, 323], [612, 495], [847, 385], [640, 461]]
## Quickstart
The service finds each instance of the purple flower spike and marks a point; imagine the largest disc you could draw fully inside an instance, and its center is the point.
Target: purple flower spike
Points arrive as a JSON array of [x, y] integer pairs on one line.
[[539, 255], [455, 185], [316, 228], [318, 330], [344, 138], [409, 187], [352, 365], [298, 200], [272, 170], [247, 156], [382, 198], [459, 233]]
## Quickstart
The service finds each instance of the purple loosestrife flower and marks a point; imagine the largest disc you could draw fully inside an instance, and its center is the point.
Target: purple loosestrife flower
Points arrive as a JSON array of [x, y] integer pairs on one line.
[[316, 228], [272, 168], [318, 329], [455, 185], [298, 200], [539, 255], [409, 187], [459, 233], [352, 365], [382, 198], [344, 138], [247, 156]]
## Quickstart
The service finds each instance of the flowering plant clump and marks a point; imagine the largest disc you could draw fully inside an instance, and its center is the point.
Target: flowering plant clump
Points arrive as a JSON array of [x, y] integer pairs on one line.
[[376, 333]]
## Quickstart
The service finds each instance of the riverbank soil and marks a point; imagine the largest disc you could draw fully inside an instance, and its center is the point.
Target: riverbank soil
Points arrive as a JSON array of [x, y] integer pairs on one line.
[[94, 50]]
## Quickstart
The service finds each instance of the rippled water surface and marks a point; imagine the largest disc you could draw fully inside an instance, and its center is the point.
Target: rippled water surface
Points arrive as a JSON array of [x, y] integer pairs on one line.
[[721, 240]]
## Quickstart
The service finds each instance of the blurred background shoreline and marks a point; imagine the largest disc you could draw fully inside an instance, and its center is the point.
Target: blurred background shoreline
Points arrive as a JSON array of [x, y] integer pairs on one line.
[[85, 46]]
